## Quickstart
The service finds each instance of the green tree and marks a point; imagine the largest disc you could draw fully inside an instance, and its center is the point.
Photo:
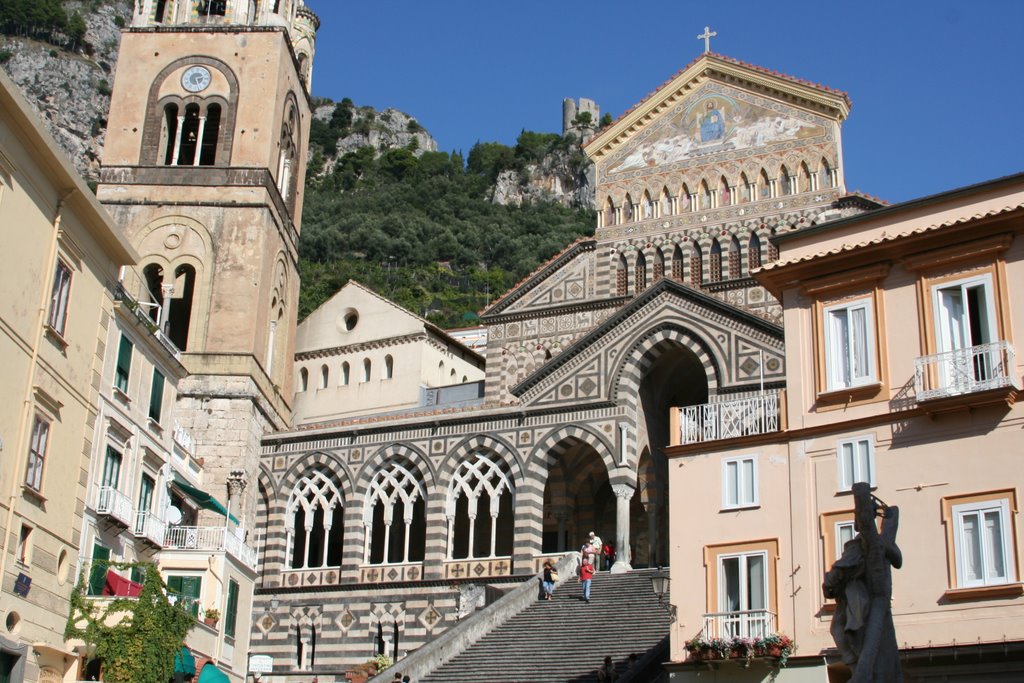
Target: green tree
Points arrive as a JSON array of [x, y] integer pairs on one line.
[[139, 647]]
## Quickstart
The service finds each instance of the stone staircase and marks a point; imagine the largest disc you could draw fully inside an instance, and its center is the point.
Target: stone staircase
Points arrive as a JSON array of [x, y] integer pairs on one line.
[[566, 639]]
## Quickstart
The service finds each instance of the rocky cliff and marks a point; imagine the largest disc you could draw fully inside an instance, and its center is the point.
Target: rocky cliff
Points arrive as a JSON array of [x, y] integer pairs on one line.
[[70, 88]]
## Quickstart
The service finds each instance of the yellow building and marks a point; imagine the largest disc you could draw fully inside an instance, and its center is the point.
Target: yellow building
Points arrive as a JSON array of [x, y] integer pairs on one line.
[[900, 327], [62, 256]]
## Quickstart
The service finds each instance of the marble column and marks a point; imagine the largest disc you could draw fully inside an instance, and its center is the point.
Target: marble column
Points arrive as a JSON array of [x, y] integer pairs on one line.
[[623, 494]]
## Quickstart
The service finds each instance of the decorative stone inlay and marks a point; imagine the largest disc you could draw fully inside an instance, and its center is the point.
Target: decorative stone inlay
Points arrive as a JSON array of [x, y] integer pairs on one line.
[[345, 620], [749, 366], [430, 617]]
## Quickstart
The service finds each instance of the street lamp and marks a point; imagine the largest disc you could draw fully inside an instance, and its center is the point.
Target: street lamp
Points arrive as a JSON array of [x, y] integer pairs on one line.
[[659, 582]]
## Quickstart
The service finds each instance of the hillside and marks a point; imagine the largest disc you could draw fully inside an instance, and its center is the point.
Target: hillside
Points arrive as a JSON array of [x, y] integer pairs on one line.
[[440, 234]]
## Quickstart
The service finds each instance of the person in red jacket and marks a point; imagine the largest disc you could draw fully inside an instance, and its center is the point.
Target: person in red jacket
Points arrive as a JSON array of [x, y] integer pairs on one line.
[[586, 575]]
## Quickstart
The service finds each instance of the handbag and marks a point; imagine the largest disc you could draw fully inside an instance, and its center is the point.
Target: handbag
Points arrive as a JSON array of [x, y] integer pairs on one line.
[[554, 576]]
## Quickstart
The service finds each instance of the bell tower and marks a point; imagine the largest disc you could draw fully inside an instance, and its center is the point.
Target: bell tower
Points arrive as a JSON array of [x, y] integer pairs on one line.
[[203, 166]]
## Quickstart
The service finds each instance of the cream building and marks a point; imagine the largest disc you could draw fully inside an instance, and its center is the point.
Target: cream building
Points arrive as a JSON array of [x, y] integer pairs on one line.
[[360, 353], [900, 327], [62, 255]]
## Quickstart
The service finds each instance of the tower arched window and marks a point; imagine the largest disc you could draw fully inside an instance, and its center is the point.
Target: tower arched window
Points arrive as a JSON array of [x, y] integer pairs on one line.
[[696, 266], [648, 206], [746, 189], [666, 203], [627, 208], [754, 252], [715, 262], [175, 298], [686, 199], [314, 523], [287, 171], [622, 277], [389, 367], [303, 379], [659, 264], [394, 517], [641, 272], [169, 133], [724, 194], [609, 212], [345, 371], [211, 8], [210, 136], [158, 12], [479, 509], [764, 185], [366, 369], [806, 184], [190, 137], [705, 195], [828, 178]]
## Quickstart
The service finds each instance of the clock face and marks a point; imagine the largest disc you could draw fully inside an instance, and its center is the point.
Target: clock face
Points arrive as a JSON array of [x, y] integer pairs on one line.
[[195, 78]]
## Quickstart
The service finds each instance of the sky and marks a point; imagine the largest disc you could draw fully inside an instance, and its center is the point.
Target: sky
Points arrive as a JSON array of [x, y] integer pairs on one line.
[[937, 86]]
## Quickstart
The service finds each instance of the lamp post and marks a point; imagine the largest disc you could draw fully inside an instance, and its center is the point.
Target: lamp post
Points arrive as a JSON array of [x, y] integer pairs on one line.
[[660, 580]]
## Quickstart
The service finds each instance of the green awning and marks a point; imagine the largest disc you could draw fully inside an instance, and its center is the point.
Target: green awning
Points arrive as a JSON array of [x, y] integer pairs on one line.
[[211, 674], [184, 662], [202, 498]]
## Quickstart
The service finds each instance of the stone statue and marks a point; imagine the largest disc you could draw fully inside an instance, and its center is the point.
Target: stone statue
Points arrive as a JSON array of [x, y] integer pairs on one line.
[[861, 583]]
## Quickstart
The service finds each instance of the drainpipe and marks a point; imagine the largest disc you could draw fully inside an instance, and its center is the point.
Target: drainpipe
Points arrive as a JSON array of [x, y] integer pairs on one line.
[[21, 443]]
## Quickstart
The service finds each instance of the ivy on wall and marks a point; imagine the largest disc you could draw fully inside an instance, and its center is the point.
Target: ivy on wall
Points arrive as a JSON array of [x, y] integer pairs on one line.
[[136, 638]]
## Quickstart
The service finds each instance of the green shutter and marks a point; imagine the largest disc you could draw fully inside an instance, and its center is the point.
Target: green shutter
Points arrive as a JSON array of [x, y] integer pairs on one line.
[[156, 396], [146, 493], [124, 364], [112, 468], [188, 588], [231, 613], [98, 571]]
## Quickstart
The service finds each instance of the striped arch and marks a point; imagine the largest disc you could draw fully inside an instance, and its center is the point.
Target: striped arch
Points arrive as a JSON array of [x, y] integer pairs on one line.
[[556, 442], [401, 452], [486, 442], [320, 460], [642, 352]]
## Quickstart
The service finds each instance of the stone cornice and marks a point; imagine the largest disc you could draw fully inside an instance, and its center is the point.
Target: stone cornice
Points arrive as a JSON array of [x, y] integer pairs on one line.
[[361, 346], [588, 305]]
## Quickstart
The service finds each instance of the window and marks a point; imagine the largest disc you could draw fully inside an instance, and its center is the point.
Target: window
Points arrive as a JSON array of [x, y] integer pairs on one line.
[[37, 453], [111, 468], [124, 364], [231, 611], [389, 367], [187, 589], [965, 320], [739, 482], [58, 316], [394, 516], [344, 373], [856, 460], [982, 543], [146, 488], [743, 595], [98, 570], [303, 379], [844, 533], [314, 523], [156, 396], [324, 376], [849, 345], [479, 508], [366, 369], [25, 545]]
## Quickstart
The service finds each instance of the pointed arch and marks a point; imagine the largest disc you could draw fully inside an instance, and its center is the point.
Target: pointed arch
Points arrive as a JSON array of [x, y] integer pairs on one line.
[[647, 206], [725, 197], [785, 180], [828, 176], [640, 277], [622, 277], [706, 201], [659, 264], [665, 203], [753, 252], [696, 265], [735, 259], [685, 199], [764, 185], [609, 212], [746, 189], [677, 263], [627, 209], [480, 508], [715, 261], [314, 522], [806, 179], [394, 515]]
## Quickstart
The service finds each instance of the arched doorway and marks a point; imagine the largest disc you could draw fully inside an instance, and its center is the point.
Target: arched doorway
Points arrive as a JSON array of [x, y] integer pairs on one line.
[[578, 497]]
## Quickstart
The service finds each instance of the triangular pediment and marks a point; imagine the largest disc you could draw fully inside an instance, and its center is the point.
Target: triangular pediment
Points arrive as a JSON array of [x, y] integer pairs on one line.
[[716, 106], [355, 315], [566, 279], [742, 348]]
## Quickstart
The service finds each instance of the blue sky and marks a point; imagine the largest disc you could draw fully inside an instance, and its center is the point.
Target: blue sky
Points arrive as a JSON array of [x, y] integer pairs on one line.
[[938, 100]]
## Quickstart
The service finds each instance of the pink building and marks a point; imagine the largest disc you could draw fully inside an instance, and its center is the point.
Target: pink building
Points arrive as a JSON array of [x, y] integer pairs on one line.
[[900, 326]]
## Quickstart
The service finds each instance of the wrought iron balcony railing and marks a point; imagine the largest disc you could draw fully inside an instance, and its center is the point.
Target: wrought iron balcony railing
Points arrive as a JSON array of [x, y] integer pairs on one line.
[[965, 371], [115, 504], [215, 538], [749, 416], [756, 623]]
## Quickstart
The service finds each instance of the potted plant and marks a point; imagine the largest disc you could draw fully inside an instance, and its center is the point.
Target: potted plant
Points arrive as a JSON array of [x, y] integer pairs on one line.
[[699, 648], [211, 616], [775, 645]]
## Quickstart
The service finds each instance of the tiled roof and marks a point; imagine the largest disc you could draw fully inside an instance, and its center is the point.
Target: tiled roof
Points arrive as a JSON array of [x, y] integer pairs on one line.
[[753, 67], [884, 238]]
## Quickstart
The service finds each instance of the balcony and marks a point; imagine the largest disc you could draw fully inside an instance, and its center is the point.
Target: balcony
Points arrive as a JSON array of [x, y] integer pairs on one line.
[[139, 309], [751, 416], [970, 370], [757, 623], [210, 538], [149, 527], [115, 505]]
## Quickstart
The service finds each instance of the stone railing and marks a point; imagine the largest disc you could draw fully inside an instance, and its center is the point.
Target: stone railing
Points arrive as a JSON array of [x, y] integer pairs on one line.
[[115, 504], [756, 623], [965, 371], [215, 538], [749, 416]]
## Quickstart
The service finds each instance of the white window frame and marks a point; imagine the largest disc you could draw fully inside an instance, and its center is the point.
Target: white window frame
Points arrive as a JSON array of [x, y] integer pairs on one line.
[[744, 581], [838, 535], [60, 297], [943, 339], [838, 359], [752, 497], [1002, 507], [858, 476]]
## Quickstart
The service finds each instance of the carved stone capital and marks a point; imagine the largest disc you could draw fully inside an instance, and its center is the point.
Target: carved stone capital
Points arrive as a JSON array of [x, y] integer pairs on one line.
[[623, 491]]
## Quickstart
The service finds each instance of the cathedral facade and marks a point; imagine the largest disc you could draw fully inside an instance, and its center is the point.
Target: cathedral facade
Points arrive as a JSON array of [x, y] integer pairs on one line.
[[382, 531]]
